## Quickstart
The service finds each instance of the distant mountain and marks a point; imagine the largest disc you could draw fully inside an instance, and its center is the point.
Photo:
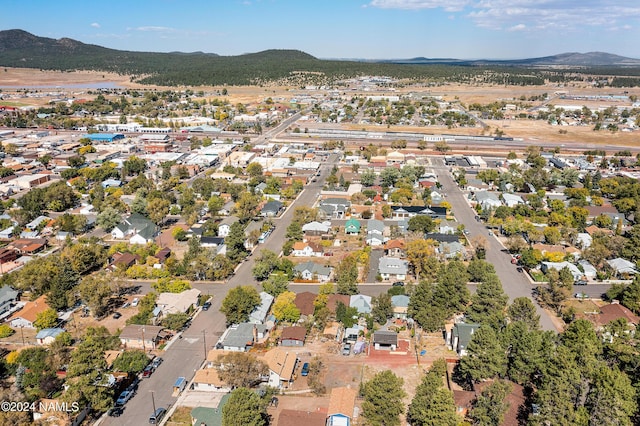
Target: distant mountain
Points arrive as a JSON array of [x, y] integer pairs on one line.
[[21, 49], [572, 59]]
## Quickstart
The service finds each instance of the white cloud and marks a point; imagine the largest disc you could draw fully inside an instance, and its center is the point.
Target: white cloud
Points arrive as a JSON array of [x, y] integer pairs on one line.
[[531, 15], [152, 28], [519, 27], [448, 5], [95, 25]]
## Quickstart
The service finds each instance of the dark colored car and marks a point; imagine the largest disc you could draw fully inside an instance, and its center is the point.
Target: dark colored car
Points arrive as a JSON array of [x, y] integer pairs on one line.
[[305, 369], [398, 284], [117, 315], [148, 371], [520, 269], [115, 412], [206, 306]]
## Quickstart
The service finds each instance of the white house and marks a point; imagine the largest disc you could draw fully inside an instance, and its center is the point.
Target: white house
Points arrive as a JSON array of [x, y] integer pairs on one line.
[[391, 268], [512, 200], [225, 226], [207, 380], [312, 271], [577, 273], [282, 364], [488, 200]]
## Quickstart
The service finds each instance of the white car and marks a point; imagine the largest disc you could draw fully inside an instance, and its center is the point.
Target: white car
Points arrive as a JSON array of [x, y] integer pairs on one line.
[[135, 302]]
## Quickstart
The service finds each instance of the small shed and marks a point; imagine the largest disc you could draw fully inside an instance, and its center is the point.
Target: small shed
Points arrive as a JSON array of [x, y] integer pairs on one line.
[[293, 336], [384, 339]]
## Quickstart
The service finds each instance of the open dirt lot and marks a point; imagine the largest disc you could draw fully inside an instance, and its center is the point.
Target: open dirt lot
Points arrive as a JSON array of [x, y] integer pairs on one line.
[[530, 130]]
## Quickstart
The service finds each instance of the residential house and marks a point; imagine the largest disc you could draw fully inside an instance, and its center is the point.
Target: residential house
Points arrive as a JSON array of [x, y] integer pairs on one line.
[[178, 303], [28, 246], [207, 416], [375, 233], [304, 302], [123, 260], [622, 266], [207, 380], [614, 311], [385, 339], [391, 268], [316, 228], [137, 228], [26, 316], [407, 212], [459, 336], [487, 200], [447, 227], [451, 250], [352, 227], [588, 269], [293, 336], [342, 404], [301, 417], [302, 249], [394, 248], [228, 207], [334, 208], [8, 299], [334, 299], [282, 364], [259, 314], [558, 266], [583, 240], [241, 337], [272, 208], [47, 336], [311, 271], [145, 337], [400, 306], [512, 200], [361, 302], [224, 227]]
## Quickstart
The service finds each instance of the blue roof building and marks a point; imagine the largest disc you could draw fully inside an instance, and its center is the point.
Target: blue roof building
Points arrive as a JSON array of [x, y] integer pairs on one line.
[[104, 137]]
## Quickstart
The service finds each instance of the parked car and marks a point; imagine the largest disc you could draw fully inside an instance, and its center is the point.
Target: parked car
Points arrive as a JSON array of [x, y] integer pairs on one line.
[[115, 412], [148, 371], [305, 369], [155, 363], [206, 306], [346, 349], [125, 305], [520, 269], [124, 397], [398, 284], [117, 315], [580, 296], [135, 302], [157, 416], [580, 282]]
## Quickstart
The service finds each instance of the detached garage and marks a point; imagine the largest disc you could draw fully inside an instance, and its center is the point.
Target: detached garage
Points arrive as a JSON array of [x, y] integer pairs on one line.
[[384, 339], [293, 336]]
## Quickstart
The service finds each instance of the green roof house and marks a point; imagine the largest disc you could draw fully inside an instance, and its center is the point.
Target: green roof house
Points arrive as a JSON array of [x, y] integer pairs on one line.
[[352, 227]]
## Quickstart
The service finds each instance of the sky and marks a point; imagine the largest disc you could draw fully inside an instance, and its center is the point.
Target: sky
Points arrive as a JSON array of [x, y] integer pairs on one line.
[[349, 29]]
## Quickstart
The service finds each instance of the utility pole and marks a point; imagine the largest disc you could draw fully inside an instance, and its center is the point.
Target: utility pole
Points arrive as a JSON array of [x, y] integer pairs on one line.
[[204, 339], [153, 402]]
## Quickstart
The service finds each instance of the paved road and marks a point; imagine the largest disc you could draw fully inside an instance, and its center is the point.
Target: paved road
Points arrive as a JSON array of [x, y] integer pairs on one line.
[[514, 283], [186, 355]]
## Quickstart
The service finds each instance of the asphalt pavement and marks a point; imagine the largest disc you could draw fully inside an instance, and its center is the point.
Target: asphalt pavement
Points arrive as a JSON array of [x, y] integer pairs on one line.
[[514, 283]]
